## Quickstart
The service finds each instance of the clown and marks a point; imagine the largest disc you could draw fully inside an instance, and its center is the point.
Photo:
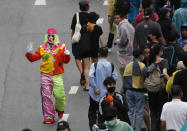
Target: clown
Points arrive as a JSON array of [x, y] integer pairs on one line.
[[54, 55]]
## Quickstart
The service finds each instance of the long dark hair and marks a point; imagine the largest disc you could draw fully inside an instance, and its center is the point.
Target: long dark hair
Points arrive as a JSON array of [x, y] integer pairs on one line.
[[155, 50]]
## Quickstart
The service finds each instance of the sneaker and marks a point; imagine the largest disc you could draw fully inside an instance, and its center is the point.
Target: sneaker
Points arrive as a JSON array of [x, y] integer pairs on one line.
[[85, 89], [49, 120], [60, 114], [82, 80]]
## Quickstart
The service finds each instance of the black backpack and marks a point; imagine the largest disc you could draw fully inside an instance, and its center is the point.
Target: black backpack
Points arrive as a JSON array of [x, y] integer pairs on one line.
[[95, 65], [169, 53]]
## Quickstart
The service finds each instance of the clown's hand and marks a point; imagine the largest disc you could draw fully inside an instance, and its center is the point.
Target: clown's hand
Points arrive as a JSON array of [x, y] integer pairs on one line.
[[66, 52], [30, 47]]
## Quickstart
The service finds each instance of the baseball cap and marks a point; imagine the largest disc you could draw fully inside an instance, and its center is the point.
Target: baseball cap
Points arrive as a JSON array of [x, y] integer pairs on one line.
[[148, 12], [184, 25], [62, 125], [163, 11], [83, 2]]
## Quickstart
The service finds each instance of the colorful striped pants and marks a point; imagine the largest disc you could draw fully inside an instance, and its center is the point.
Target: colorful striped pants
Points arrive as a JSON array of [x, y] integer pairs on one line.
[[52, 84]]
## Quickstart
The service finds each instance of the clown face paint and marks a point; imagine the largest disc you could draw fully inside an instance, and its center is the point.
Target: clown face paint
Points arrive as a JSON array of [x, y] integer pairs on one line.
[[51, 38]]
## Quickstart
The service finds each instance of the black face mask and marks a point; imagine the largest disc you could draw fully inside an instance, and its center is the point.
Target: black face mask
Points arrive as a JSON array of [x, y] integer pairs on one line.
[[111, 89]]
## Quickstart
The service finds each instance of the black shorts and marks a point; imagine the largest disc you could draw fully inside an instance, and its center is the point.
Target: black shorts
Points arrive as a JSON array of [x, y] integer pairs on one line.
[[75, 51]]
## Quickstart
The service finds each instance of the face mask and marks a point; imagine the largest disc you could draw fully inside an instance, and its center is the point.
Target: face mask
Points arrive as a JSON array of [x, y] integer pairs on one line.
[[111, 89], [110, 123]]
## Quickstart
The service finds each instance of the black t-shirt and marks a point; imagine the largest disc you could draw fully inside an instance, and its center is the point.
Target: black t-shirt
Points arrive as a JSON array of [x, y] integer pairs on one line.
[[181, 79], [83, 18], [142, 30], [95, 35], [163, 64]]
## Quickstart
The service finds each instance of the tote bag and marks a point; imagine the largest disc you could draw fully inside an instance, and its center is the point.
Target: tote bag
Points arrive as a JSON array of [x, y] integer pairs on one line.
[[76, 35]]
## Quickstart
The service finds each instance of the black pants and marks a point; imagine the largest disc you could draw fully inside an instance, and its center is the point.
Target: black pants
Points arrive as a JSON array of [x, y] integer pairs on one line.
[[93, 113], [110, 40], [156, 102]]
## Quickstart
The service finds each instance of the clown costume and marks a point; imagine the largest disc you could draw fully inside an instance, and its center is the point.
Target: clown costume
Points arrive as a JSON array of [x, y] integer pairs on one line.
[[54, 55]]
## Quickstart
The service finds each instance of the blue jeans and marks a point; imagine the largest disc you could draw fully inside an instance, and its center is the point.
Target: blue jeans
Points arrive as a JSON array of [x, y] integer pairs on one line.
[[135, 101]]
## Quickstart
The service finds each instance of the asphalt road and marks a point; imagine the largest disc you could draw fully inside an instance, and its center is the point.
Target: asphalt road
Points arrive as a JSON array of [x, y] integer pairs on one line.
[[22, 22]]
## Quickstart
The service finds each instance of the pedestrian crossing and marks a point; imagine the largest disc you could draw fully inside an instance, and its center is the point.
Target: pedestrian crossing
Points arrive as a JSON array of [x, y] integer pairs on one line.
[[73, 89], [40, 2], [105, 3], [65, 118]]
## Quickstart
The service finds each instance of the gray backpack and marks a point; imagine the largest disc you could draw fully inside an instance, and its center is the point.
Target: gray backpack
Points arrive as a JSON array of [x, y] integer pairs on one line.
[[154, 82]]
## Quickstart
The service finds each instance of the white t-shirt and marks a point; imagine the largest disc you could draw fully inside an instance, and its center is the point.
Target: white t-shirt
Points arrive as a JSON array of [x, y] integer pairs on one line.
[[174, 113]]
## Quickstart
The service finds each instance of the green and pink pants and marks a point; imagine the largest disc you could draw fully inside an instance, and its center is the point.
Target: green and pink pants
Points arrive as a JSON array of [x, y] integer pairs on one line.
[[52, 85]]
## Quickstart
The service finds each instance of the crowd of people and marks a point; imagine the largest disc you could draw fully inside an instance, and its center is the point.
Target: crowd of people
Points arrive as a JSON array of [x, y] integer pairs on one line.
[[151, 50], [151, 40]]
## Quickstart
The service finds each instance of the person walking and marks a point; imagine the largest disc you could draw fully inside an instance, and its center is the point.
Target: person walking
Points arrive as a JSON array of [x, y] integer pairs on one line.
[[181, 78], [158, 96], [182, 41], [171, 51], [98, 73], [82, 16], [174, 113], [112, 26], [167, 25], [63, 126], [96, 36], [133, 84], [54, 55], [140, 16], [180, 15], [113, 123], [146, 26], [125, 40], [134, 10], [114, 99]]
